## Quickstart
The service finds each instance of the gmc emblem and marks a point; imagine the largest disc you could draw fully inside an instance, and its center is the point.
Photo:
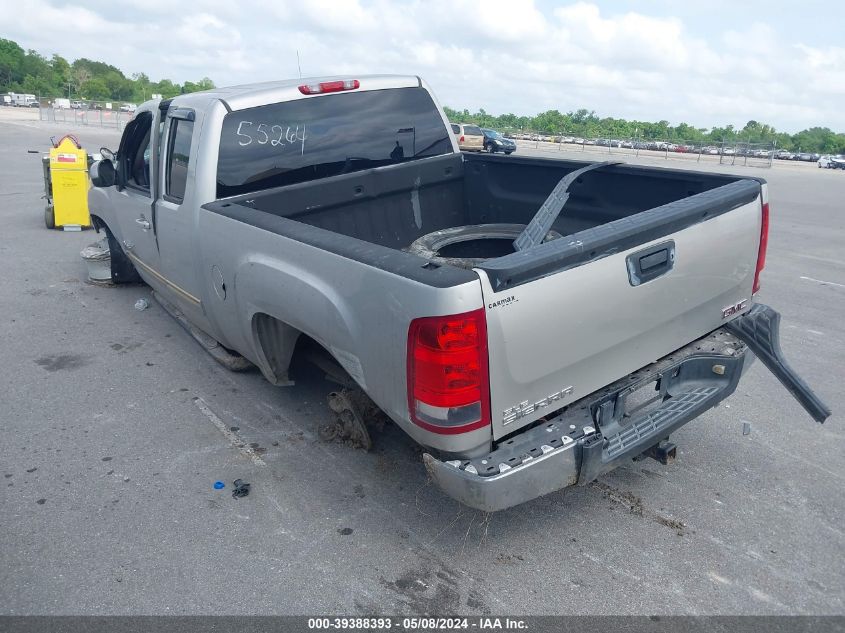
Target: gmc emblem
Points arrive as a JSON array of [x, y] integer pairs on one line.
[[731, 310]]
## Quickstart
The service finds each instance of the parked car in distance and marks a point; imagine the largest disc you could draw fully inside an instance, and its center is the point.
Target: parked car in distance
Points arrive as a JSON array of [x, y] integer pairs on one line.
[[128, 107], [831, 162], [806, 157], [782, 154], [495, 142], [470, 137], [76, 105]]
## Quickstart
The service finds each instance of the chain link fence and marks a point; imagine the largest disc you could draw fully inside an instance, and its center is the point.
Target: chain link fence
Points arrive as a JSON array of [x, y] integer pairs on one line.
[[107, 114]]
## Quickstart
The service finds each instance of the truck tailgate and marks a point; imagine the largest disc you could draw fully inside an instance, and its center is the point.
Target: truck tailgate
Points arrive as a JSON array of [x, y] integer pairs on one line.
[[570, 316]]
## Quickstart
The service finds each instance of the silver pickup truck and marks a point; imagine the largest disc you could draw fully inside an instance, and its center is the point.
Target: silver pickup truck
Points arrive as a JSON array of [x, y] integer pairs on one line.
[[531, 322]]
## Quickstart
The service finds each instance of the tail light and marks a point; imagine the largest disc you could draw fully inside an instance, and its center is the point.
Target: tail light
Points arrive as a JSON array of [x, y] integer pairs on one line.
[[448, 377], [764, 243], [462, 138], [329, 86]]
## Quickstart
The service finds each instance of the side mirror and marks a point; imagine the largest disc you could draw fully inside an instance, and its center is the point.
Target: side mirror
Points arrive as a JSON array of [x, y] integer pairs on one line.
[[103, 173], [106, 153]]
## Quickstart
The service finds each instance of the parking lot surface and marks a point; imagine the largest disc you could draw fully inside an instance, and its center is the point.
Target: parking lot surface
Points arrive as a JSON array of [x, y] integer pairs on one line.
[[114, 425]]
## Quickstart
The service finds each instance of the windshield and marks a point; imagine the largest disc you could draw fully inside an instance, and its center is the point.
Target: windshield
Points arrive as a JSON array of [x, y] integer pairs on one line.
[[306, 139]]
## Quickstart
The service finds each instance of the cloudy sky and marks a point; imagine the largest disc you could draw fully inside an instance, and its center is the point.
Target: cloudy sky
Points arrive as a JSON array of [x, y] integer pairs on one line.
[[706, 63]]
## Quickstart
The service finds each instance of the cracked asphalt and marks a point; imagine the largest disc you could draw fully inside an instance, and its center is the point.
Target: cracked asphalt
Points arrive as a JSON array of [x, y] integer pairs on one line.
[[109, 450]]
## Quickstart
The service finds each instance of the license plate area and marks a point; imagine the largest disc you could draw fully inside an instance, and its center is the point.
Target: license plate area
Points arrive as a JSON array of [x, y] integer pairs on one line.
[[642, 400]]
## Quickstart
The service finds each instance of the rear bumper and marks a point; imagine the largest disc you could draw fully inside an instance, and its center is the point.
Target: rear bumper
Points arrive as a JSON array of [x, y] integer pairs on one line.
[[594, 434]]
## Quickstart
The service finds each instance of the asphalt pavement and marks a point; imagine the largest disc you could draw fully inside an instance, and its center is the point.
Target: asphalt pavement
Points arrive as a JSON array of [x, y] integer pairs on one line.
[[115, 424]]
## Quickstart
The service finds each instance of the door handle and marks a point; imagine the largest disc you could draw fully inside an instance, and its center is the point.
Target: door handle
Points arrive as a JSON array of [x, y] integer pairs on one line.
[[650, 263], [144, 223]]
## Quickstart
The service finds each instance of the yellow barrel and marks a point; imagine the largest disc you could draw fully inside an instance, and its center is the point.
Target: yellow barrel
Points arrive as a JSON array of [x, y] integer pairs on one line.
[[69, 175]]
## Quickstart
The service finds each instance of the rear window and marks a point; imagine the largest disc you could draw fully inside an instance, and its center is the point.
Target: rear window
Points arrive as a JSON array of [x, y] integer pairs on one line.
[[306, 139], [472, 130]]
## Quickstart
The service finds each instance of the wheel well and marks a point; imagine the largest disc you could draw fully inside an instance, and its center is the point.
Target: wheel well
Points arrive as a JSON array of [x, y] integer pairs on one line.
[[281, 345], [98, 223], [122, 269]]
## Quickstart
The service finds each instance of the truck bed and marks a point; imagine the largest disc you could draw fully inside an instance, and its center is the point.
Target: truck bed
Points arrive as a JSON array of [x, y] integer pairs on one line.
[[393, 206], [566, 317]]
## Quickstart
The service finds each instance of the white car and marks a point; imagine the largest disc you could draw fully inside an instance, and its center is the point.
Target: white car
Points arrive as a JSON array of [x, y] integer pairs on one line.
[[128, 107], [831, 162]]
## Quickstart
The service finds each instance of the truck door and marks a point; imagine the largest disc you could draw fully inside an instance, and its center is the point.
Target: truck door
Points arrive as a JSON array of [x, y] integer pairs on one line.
[[174, 219], [133, 197]]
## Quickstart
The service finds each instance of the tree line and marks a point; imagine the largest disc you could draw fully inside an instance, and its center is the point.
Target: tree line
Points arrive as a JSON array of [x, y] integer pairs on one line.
[[587, 124], [29, 72], [32, 73]]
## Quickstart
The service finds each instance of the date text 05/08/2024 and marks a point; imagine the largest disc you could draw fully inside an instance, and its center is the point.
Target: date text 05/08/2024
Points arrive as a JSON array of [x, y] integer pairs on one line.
[[417, 624]]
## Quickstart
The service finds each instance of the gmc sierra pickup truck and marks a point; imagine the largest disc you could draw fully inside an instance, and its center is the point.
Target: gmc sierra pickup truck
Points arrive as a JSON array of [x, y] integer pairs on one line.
[[531, 322]]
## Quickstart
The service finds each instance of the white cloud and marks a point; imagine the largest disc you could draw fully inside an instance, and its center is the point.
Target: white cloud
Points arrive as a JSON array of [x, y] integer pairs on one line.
[[502, 55]]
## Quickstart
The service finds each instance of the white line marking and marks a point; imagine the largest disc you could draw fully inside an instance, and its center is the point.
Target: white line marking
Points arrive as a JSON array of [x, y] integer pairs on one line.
[[245, 449], [826, 283], [827, 260]]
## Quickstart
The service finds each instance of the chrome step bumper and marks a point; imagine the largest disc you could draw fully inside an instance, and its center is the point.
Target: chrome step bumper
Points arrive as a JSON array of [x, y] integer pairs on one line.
[[597, 433]]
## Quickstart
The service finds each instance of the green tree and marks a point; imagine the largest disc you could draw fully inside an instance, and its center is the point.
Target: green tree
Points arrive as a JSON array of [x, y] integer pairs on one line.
[[95, 89], [61, 73], [39, 86], [11, 59]]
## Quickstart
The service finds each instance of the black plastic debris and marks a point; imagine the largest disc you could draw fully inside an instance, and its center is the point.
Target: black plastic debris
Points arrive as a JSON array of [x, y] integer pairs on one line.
[[241, 488]]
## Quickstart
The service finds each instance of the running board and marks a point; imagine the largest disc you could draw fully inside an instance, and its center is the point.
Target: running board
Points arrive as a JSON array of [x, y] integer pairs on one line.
[[230, 360], [759, 328]]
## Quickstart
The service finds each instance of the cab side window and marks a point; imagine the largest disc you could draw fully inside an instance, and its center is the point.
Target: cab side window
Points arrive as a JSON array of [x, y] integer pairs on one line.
[[137, 154], [178, 158]]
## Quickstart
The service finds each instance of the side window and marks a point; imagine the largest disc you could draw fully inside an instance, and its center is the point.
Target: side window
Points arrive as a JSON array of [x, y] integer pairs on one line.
[[178, 156], [456, 129], [137, 155]]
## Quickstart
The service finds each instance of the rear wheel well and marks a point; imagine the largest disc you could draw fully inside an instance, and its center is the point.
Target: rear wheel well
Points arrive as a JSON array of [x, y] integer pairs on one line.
[[281, 345]]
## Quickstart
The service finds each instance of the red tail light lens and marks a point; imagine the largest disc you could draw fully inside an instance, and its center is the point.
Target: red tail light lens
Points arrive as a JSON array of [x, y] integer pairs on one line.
[[329, 86], [448, 377], [462, 138], [764, 244]]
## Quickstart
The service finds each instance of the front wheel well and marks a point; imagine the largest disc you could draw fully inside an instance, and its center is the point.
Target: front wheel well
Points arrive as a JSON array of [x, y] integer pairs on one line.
[[122, 269]]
